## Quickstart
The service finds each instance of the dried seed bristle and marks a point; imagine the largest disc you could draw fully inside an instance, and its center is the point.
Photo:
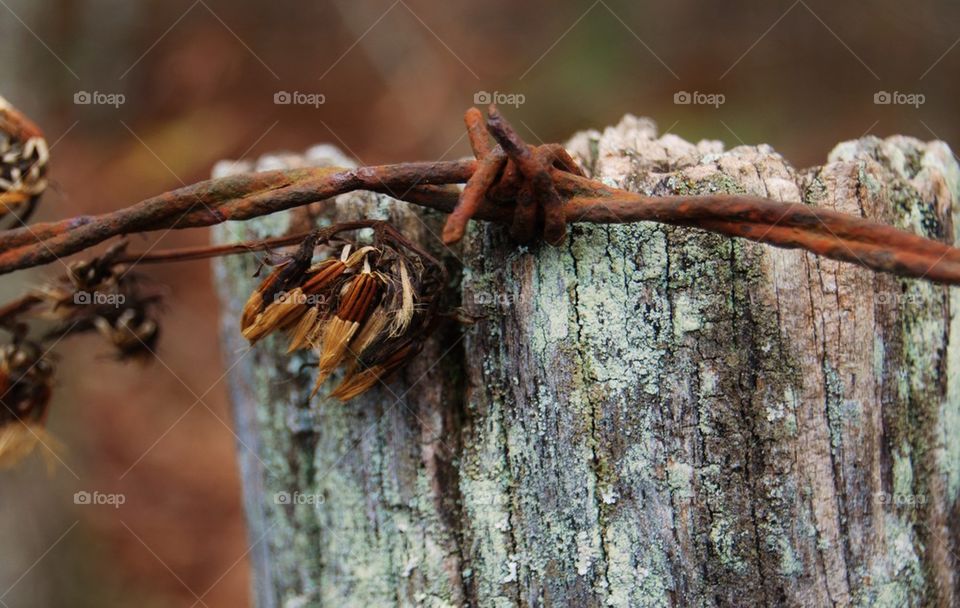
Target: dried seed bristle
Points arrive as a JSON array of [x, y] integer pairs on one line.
[[304, 332], [360, 297], [252, 308], [371, 331], [283, 312], [359, 382], [255, 303], [403, 315], [19, 439]]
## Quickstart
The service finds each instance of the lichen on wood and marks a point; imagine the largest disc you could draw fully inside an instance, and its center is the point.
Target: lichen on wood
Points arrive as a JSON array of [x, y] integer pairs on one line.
[[647, 415]]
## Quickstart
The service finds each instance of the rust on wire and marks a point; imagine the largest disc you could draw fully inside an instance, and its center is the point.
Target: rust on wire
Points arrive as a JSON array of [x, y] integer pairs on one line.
[[533, 190]]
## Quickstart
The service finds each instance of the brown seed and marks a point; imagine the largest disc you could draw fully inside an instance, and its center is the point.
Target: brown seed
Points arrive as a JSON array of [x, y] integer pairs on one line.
[[358, 382], [254, 304], [304, 332], [326, 274], [359, 298]]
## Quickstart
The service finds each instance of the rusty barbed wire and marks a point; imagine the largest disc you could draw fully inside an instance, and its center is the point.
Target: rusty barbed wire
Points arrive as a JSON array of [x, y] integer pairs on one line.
[[534, 190]]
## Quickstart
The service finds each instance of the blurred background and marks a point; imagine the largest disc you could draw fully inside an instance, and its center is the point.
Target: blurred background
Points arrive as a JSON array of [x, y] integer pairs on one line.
[[142, 96]]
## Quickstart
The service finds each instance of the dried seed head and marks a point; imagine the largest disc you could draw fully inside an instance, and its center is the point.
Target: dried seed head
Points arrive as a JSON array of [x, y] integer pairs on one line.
[[132, 333], [104, 296], [367, 309], [25, 388], [23, 160]]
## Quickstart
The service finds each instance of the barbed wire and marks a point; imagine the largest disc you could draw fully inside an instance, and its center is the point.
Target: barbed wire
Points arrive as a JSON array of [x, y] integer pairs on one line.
[[534, 190]]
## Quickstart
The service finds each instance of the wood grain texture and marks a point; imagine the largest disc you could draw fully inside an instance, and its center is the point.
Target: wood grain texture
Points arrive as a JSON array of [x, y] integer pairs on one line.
[[645, 416]]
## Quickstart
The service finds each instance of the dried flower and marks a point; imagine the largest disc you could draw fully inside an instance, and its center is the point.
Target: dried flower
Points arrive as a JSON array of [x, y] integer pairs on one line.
[[25, 381], [132, 333], [23, 162], [367, 310], [104, 296]]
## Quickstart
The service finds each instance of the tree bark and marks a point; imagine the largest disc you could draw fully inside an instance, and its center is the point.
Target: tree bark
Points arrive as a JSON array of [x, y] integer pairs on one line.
[[645, 416]]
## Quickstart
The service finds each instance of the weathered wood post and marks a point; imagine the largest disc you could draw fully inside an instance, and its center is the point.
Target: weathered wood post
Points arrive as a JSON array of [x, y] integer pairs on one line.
[[645, 416]]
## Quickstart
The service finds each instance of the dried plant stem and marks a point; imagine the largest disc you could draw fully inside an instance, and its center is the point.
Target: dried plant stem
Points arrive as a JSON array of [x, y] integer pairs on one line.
[[186, 254], [10, 311]]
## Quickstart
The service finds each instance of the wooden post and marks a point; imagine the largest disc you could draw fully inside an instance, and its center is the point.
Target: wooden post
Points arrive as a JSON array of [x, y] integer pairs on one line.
[[645, 416]]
